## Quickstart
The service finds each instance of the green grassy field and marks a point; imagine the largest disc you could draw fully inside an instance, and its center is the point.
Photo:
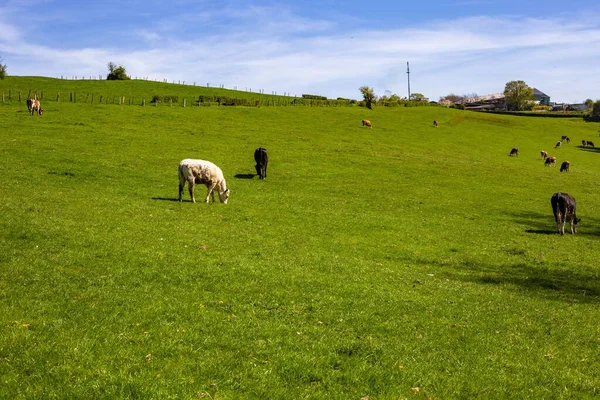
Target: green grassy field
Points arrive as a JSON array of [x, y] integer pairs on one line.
[[396, 262]]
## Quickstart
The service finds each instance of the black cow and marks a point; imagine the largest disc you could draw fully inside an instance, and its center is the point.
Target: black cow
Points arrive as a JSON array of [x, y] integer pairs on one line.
[[262, 159], [563, 206]]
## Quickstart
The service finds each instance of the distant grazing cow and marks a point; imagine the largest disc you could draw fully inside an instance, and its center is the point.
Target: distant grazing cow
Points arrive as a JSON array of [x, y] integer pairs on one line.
[[558, 144], [584, 143], [565, 139], [435, 123], [544, 154], [550, 161], [33, 105], [262, 159], [591, 144], [565, 166], [514, 152], [563, 207], [202, 172], [366, 122]]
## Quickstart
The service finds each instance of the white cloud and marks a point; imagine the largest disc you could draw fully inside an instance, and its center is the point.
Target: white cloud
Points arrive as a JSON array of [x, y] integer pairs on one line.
[[298, 55]]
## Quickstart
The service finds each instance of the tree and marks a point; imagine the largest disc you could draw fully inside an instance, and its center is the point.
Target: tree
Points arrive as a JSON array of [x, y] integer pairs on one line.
[[368, 96], [2, 69], [589, 103], [418, 97], [596, 109], [517, 95], [116, 73]]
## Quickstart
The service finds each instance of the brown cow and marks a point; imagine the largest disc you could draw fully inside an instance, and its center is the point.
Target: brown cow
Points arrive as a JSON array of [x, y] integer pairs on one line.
[[514, 152], [544, 154], [565, 166], [550, 161], [33, 105], [563, 207], [366, 122]]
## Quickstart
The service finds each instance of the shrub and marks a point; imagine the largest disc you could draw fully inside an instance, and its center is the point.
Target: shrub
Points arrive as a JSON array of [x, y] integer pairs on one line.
[[164, 99]]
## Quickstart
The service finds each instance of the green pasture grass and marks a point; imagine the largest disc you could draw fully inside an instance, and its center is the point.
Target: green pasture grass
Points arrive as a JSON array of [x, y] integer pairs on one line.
[[132, 91], [402, 261]]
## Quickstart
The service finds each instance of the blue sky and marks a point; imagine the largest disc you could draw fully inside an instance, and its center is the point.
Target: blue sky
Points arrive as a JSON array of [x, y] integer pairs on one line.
[[324, 47]]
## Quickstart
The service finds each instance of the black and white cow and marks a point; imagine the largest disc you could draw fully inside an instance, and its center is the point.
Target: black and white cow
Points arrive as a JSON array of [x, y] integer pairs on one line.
[[563, 207], [262, 160]]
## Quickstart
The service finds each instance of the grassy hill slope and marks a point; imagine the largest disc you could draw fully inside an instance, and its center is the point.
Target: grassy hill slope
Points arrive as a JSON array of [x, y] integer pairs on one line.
[[397, 261], [134, 91]]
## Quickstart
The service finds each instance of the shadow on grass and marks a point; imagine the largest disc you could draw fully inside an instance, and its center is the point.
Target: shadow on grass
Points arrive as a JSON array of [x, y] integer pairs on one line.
[[245, 176], [543, 224], [562, 285], [168, 199], [535, 279], [590, 149], [541, 231]]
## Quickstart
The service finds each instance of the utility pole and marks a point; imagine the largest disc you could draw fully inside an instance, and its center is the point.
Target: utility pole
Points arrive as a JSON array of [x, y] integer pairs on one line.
[[408, 75]]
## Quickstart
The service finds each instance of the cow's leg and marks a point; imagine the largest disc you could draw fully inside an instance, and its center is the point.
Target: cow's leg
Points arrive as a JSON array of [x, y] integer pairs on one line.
[[210, 187], [572, 224], [557, 219], [191, 189], [180, 190]]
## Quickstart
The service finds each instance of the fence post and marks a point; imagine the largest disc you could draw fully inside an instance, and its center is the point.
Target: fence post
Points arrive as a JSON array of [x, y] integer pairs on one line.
[[9, 95], [143, 102], [2, 97], [19, 96], [57, 97], [184, 103], [170, 102], [92, 102], [100, 99]]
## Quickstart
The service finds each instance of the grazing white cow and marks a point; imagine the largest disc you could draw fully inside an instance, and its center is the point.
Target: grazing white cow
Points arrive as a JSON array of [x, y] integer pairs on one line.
[[544, 154], [202, 172]]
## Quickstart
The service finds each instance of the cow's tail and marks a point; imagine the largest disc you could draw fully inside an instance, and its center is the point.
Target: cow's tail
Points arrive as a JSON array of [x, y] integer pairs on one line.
[[181, 174]]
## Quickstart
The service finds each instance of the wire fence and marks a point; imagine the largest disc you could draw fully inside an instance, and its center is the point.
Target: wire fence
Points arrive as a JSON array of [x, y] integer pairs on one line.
[[175, 101]]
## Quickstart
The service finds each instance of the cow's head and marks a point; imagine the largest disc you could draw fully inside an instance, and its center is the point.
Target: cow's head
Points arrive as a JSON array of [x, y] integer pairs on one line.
[[224, 196]]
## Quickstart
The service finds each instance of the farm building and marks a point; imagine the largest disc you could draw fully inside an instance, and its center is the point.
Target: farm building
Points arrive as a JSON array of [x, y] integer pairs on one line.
[[541, 97]]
